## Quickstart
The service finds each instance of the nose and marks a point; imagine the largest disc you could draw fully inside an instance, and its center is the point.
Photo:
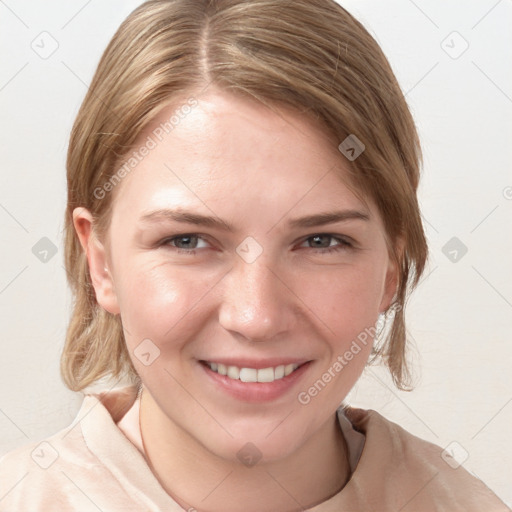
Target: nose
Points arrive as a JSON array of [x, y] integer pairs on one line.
[[257, 303]]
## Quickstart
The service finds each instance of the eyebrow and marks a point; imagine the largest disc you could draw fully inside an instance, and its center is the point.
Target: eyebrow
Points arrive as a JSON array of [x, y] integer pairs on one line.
[[188, 217]]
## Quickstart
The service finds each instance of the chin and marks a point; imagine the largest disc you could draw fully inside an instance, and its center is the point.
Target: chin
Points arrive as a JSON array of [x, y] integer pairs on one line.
[[249, 451], [269, 440]]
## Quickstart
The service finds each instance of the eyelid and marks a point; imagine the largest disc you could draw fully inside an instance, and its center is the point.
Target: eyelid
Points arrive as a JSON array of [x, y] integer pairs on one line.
[[343, 240], [168, 239]]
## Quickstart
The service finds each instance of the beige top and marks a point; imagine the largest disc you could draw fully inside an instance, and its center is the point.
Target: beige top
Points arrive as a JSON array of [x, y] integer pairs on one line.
[[97, 463]]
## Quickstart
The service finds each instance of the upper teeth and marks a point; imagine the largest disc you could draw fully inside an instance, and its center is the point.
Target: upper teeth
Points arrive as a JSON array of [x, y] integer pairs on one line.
[[252, 374]]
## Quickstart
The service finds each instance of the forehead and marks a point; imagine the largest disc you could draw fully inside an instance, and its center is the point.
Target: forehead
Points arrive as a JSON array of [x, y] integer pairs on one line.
[[243, 133], [232, 153]]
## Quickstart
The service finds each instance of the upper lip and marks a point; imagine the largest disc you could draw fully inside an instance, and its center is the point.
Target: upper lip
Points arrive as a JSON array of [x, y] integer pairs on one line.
[[256, 363]]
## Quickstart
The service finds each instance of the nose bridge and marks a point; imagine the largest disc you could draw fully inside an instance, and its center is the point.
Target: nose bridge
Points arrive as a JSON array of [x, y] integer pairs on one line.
[[255, 302]]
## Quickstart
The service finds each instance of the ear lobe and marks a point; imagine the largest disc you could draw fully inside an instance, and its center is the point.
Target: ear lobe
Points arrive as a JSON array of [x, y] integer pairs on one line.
[[392, 276], [101, 278], [390, 286]]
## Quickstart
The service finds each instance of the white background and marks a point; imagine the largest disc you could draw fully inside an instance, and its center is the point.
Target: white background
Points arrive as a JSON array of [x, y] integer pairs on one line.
[[460, 318]]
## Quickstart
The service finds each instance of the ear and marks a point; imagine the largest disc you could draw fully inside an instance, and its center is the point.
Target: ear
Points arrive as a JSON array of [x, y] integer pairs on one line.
[[392, 278], [101, 277]]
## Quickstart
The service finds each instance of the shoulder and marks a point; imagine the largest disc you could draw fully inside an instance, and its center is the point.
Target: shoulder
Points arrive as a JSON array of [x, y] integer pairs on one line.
[[413, 473], [60, 471], [36, 474]]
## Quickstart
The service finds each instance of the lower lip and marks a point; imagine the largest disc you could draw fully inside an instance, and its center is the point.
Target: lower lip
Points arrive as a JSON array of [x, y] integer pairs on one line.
[[256, 391]]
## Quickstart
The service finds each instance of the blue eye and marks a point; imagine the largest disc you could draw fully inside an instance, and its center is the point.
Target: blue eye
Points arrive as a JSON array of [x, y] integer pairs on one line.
[[322, 243], [183, 243]]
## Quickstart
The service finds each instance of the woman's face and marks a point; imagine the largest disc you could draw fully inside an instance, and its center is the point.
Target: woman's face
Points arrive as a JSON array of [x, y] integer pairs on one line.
[[235, 242]]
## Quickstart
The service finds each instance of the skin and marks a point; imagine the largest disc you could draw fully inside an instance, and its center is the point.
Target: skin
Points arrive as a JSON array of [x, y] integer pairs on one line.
[[256, 169]]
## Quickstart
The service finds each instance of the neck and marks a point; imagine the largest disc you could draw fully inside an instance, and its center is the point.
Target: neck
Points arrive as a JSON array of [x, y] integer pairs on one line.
[[195, 477]]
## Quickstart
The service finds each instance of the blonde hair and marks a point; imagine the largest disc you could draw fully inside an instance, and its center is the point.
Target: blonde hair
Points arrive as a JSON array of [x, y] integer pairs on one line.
[[312, 56]]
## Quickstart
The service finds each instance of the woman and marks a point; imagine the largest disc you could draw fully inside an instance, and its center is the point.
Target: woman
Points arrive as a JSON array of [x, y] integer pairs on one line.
[[242, 210]]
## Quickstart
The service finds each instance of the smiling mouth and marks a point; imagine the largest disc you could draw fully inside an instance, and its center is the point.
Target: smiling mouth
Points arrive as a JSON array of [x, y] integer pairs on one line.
[[270, 374]]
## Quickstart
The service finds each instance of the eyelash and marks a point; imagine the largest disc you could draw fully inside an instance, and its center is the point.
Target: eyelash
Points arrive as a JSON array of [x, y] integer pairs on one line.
[[344, 244]]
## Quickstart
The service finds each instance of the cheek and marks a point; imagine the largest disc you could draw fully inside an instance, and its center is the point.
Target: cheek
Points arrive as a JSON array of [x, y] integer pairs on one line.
[[346, 298], [159, 301]]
